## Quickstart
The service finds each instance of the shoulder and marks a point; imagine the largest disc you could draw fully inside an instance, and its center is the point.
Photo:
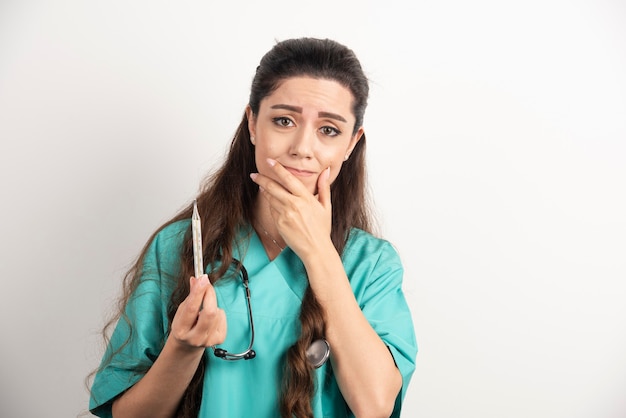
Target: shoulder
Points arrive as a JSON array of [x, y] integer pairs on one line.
[[173, 234], [371, 263], [164, 250], [362, 245], [170, 238]]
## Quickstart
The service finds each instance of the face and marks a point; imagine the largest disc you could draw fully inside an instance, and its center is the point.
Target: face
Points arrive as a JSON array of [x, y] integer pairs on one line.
[[306, 124]]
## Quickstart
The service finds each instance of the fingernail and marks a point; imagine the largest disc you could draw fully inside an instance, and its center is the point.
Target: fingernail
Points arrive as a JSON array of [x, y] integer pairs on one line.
[[253, 176], [328, 173], [271, 162]]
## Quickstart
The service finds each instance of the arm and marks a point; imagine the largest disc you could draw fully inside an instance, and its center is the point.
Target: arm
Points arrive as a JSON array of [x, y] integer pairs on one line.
[[363, 366], [160, 391], [365, 370]]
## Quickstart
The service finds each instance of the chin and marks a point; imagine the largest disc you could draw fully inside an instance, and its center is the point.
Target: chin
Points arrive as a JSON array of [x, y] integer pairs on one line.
[[313, 189]]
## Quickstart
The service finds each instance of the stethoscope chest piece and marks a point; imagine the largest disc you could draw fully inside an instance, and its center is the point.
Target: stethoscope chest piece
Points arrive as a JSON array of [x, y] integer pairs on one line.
[[318, 352]]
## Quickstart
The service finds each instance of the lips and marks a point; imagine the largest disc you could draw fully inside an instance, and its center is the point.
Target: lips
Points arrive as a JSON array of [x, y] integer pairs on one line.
[[299, 173]]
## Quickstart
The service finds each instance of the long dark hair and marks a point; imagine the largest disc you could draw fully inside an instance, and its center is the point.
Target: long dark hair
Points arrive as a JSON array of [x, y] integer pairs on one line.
[[226, 202]]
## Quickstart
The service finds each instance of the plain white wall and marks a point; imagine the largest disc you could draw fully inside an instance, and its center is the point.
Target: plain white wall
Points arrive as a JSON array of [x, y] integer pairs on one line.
[[497, 160]]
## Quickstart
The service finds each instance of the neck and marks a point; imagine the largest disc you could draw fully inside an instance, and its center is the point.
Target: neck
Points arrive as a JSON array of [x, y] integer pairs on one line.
[[266, 229]]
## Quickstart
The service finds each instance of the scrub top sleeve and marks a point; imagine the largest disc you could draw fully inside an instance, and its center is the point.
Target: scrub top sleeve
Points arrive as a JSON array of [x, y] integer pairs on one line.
[[140, 333], [384, 305]]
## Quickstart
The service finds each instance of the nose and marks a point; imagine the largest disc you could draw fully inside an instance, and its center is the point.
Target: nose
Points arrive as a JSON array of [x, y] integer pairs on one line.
[[303, 143]]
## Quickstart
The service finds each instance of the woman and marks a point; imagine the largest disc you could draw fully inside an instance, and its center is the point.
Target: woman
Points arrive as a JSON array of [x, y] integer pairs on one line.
[[288, 204]]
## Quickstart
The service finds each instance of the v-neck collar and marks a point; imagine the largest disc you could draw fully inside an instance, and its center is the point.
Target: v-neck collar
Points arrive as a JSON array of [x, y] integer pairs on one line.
[[250, 251]]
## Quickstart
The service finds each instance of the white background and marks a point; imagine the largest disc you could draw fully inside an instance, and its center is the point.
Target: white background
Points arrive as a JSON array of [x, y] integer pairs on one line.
[[497, 159]]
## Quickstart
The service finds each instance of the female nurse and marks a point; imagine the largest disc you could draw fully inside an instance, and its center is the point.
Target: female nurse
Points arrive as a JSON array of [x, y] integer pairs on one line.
[[300, 312]]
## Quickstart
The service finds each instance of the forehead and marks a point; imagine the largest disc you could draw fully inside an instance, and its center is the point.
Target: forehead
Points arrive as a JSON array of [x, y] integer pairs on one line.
[[315, 94]]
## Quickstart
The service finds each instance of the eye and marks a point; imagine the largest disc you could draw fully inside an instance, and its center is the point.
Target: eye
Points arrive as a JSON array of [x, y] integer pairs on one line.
[[330, 131], [283, 121]]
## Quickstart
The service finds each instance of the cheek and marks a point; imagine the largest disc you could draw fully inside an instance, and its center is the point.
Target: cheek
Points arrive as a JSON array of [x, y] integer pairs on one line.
[[330, 157], [261, 161], [335, 168], [262, 152], [268, 145]]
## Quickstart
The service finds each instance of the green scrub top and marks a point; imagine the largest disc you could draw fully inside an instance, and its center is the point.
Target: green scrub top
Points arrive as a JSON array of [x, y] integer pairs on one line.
[[251, 388]]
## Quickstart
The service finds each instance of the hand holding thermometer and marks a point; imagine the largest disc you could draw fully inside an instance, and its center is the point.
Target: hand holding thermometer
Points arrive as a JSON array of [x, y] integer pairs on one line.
[[319, 351], [196, 233]]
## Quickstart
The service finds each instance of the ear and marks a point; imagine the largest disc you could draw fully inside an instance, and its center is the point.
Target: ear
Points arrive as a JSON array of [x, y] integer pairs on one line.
[[251, 121], [354, 140]]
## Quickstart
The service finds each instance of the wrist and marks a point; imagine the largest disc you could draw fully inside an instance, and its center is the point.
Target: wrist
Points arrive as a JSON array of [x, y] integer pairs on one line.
[[182, 349], [327, 276], [318, 254]]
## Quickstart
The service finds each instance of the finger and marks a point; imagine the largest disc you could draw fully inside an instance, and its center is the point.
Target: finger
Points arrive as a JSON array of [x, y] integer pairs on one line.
[[286, 179], [222, 329], [209, 301], [270, 189], [191, 305], [213, 327], [323, 188], [187, 313]]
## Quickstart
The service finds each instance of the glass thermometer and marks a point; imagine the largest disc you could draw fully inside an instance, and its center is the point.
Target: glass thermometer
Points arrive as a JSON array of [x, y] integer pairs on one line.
[[196, 234]]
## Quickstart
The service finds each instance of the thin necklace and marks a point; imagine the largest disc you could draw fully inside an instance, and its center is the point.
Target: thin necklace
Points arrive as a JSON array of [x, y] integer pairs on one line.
[[272, 238]]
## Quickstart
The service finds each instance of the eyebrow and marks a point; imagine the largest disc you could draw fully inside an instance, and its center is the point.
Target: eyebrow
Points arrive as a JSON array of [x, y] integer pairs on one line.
[[298, 109]]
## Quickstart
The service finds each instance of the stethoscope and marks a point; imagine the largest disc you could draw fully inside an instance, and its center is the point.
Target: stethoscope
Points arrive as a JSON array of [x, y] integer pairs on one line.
[[317, 354]]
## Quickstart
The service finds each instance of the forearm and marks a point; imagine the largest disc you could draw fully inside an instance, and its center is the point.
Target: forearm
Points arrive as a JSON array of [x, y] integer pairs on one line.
[[362, 363], [160, 391]]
